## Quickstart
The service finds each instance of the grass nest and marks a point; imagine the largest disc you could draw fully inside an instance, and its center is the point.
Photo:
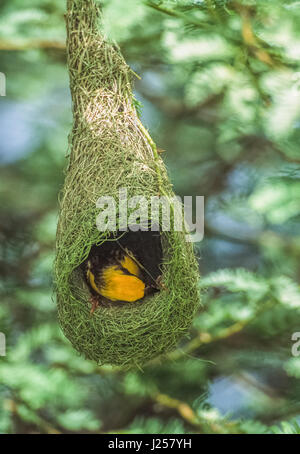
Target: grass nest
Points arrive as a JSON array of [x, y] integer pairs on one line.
[[110, 149]]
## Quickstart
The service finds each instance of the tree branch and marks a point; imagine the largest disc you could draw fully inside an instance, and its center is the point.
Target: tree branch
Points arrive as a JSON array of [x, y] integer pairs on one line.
[[31, 44]]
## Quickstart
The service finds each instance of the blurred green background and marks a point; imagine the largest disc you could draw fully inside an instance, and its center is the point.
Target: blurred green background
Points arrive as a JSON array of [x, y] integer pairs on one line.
[[220, 89]]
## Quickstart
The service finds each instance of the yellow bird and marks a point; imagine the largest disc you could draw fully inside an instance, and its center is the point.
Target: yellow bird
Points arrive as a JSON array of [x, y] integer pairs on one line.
[[117, 278], [124, 270]]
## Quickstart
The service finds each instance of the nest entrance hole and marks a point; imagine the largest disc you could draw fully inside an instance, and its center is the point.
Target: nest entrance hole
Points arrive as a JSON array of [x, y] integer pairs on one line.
[[144, 246]]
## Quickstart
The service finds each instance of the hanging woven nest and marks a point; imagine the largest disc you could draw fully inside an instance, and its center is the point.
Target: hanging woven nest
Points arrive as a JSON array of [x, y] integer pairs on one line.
[[110, 149]]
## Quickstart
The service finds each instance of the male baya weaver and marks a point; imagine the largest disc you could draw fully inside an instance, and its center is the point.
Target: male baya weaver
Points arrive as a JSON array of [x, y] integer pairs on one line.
[[116, 275]]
